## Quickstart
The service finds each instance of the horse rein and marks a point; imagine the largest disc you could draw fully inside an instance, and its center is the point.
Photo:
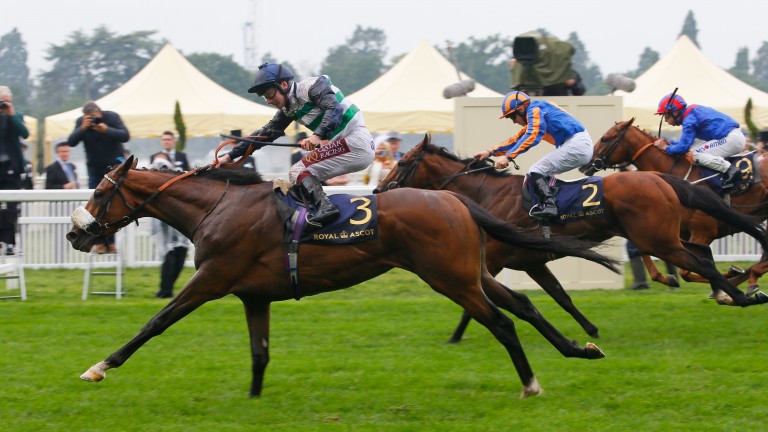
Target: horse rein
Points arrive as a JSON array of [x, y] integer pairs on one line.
[[97, 228]]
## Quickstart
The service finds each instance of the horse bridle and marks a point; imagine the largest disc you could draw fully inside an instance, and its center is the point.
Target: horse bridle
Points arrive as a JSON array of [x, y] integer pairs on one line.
[[599, 163], [97, 228]]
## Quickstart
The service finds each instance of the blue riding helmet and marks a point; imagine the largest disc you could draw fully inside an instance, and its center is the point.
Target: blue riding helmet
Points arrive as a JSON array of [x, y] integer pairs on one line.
[[270, 75]]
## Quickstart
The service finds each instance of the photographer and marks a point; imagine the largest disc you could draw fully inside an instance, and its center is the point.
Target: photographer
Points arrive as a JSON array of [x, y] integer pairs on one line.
[[103, 133], [12, 131]]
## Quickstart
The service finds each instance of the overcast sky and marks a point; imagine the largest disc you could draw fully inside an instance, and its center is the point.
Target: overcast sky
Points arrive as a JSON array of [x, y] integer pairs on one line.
[[301, 31]]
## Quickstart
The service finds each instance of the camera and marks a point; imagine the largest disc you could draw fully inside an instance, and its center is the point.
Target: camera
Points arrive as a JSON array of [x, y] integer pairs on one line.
[[96, 120], [3, 104]]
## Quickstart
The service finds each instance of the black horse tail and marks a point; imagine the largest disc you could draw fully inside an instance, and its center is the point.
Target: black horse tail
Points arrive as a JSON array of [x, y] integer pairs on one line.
[[559, 246], [704, 199]]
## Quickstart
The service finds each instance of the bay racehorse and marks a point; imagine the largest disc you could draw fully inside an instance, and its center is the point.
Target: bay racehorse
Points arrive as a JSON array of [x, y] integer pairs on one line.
[[643, 207], [237, 231], [625, 144]]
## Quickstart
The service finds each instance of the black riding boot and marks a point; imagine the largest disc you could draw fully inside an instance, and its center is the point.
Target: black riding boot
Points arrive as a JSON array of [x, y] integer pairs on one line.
[[325, 212], [730, 177], [547, 207]]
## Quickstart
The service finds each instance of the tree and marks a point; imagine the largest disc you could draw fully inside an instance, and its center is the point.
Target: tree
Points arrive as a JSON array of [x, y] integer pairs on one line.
[[648, 58], [359, 61], [88, 67], [14, 71], [486, 60], [181, 127], [741, 64], [753, 131], [760, 65], [590, 73], [689, 28], [223, 70]]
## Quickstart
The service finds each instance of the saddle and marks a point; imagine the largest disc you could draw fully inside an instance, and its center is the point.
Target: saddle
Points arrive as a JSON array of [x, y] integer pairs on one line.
[[749, 175], [576, 199], [357, 222]]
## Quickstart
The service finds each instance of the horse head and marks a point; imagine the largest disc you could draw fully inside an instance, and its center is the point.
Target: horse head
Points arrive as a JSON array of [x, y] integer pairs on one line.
[[102, 216], [609, 151], [405, 168]]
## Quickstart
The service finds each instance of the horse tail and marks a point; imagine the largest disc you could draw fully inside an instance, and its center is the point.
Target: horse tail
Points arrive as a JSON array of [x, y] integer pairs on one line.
[[559, 246], [704, 199]]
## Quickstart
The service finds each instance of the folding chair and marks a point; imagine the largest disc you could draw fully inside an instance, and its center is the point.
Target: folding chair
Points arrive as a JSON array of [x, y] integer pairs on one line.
[[12, 270], [109, 264]]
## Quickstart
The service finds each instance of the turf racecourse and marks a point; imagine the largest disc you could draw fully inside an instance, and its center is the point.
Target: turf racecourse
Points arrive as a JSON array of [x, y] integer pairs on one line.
[[373, 358]]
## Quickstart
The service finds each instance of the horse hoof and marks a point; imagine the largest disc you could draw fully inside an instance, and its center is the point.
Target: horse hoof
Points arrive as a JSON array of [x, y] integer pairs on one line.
[[673, 281], [761, 297], [723, 299], [735, 271], [752, 289], [531, 389], [95, 373], [594, 351]]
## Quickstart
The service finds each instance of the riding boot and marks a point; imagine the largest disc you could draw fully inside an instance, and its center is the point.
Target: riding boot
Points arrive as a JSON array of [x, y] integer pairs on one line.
[[730, 177], [638, 272], [547, 208], [325, 212]]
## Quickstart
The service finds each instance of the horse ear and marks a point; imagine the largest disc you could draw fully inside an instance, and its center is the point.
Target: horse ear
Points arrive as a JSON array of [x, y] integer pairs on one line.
[[420, 147], [134, 163], [631, 121]]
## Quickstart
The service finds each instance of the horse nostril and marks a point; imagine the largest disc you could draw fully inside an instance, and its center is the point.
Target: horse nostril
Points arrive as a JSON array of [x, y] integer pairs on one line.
[[375, 191], [71, 236]]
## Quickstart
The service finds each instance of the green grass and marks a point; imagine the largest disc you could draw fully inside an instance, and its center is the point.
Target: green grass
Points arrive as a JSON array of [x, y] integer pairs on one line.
[[373, 358]]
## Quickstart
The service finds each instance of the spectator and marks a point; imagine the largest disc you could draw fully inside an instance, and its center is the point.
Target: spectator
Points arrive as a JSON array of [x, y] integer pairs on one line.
[[394, 141], [103, 134], [171, 244], [12, 131], [177, 158], [61, 174], [382, 163]]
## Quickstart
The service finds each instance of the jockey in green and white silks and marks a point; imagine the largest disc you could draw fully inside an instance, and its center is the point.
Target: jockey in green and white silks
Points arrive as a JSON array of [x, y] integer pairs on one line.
[[340, 142]]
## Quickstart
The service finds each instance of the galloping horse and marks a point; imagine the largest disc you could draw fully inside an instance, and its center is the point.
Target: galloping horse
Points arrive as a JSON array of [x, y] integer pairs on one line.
[[625, 144], [238, 236], [643, 207]]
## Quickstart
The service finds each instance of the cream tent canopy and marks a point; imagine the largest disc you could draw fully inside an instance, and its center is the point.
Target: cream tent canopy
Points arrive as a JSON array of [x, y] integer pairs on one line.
[[699, 81], [147, 102], [31, 124], [408, 98]]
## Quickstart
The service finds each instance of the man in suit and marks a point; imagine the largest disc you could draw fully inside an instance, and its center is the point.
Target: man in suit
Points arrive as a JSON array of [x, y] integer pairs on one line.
[[61, 174], [178, 158]]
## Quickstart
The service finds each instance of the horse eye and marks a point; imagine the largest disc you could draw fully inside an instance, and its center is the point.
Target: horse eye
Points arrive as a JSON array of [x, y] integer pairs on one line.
[[98, 193], [401, 163], [603, 139]]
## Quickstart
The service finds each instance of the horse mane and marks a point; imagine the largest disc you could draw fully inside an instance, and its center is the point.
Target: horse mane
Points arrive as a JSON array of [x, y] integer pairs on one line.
[[235, 177], [444, 152]]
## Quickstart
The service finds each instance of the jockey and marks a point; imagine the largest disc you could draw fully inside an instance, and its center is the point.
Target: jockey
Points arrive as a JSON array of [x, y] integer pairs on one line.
[[721, 136], [340, 143], [542, 121]]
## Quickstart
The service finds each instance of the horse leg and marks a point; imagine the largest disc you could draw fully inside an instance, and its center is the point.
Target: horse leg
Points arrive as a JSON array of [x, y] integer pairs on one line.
[[461, 328], [653, 271], [188, 299], [698, 258], [549, 283], [257, 316], [522, 307], [755, 272]]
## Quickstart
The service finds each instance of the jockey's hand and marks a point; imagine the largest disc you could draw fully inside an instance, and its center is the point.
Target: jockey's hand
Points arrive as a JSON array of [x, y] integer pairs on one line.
[[311, 142], [222, 160], [661, 144], [502, 163], [485, 154]]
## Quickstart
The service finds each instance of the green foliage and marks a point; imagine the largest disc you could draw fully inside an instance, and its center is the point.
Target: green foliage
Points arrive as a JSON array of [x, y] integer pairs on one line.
[[86, 67], [689, 28], [648, 58], [14, 71], [485, 59], [754, 132], [760, 65], [181, 128], [224, 71], [373, 358], [590, 72], [742, 61], [358, 62]]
